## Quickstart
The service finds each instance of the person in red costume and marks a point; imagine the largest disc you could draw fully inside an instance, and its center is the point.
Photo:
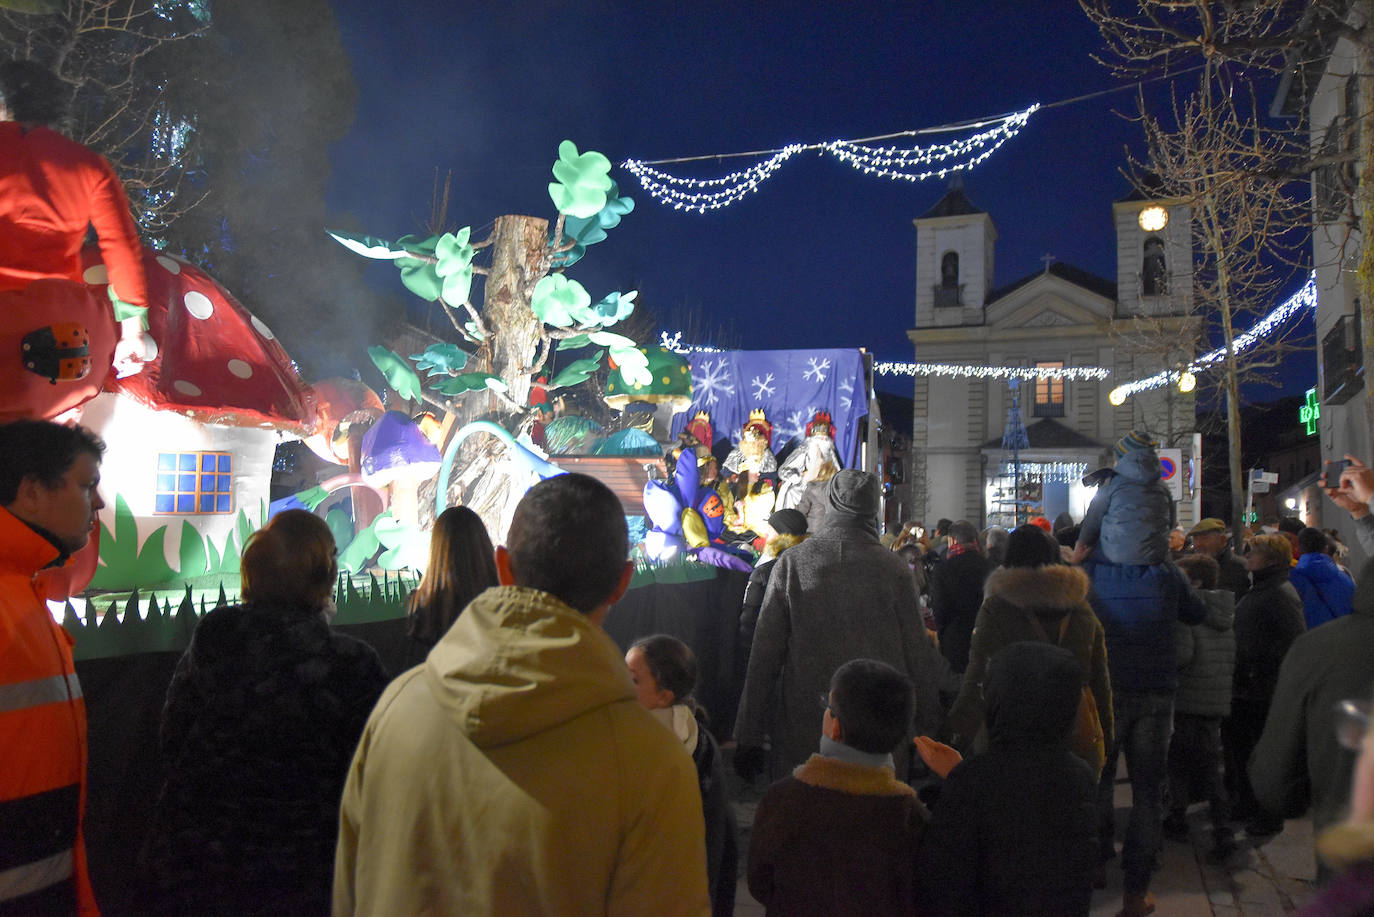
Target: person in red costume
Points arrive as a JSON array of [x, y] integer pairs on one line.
[[51, 190], [49, 478]]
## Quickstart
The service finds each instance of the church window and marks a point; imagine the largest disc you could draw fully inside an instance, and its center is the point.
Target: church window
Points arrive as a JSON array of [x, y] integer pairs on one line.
[[947, 292], [1049, 392], [1154, 276]]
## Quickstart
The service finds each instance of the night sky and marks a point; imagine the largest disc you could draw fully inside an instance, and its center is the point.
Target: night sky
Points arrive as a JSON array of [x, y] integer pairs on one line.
[[821, 255]]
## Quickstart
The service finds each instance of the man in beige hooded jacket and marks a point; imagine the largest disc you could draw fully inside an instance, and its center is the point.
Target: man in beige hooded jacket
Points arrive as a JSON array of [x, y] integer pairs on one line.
[[513, 773]]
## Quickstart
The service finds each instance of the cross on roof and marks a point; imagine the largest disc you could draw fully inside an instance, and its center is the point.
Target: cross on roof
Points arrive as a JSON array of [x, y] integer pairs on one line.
[[1047, 258]]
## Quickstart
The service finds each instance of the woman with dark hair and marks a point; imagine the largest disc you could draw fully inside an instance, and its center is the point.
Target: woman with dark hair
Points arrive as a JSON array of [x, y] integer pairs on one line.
[[260, 723], [462, 564], [664, 672], [1034, 595]]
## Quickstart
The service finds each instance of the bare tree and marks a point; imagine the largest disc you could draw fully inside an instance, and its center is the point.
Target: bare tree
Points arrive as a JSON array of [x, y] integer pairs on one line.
[[112, 54], [1243, 180]]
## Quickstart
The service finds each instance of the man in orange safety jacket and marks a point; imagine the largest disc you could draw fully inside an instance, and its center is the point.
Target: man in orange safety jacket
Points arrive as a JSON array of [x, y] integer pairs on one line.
[[48, 500]]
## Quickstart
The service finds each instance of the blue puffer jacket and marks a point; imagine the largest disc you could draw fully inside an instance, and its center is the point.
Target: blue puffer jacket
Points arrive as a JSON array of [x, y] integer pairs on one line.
[[1129, 519], [1325, 589], [1138, 607]]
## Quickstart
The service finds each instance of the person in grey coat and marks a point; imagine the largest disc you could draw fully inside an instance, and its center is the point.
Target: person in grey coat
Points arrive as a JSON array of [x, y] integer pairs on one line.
[[837, 596], [1206, 664]]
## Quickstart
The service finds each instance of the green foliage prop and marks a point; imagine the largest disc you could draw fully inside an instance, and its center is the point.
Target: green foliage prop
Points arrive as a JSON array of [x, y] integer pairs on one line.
[[455, 265], [576, 372], [582, 232], [419, 275], [469, 382], [584, 181], [397, 372], [406, 546], [441, 359], [123, 562], [561, 302]]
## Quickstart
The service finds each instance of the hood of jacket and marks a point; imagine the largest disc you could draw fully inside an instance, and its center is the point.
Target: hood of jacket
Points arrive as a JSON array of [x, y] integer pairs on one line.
[[1140, 465], [1221, 608], [518, 662], [1032, 693], [1053, 588]]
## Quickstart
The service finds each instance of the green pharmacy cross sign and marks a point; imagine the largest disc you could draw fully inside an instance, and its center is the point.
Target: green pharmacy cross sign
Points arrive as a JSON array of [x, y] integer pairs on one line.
[[1310, 411]]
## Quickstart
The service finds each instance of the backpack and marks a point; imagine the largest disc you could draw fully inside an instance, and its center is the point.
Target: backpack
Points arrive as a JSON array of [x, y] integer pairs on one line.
[[1087, 739]]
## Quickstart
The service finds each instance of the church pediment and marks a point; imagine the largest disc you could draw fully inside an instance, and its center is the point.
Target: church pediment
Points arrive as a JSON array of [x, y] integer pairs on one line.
[[1049, 301]]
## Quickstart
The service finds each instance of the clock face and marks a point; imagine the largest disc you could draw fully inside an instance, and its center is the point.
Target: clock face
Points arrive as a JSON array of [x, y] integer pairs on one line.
[[1153, 218]]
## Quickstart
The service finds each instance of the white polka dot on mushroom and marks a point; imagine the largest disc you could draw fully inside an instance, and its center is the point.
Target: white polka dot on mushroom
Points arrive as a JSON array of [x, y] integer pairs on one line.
[[170, 265], [187, 388], [199, 305], [240, 369], [96, 274], [262, 329]]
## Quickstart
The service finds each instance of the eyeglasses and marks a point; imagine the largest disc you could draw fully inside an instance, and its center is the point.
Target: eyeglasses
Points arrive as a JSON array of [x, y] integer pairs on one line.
[[1352, 723], [825, 703]]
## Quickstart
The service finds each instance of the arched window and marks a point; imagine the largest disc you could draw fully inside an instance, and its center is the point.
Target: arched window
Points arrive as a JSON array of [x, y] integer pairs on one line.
[[1154, 275], [949, 271]]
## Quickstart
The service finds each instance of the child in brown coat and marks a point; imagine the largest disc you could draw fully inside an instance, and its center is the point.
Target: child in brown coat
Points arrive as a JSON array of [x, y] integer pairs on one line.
[[839, 836]]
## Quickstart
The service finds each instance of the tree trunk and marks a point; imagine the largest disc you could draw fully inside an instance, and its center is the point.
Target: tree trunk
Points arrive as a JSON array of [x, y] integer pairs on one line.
[[519, 258], [481, 479], [1232, 375]]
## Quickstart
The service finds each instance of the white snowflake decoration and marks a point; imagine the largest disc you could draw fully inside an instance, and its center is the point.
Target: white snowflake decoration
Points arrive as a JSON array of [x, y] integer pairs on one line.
[[818, 368], [763, 386], [847, 387], [794, 426], [712, 382]]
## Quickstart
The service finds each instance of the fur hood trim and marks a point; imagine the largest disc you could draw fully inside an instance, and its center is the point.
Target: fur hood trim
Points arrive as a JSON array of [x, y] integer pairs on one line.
[[1343, 845], [1054, 586], [847, 777], [777, 544]]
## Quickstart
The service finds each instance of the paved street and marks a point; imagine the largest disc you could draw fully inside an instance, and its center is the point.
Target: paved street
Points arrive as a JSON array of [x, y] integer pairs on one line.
[[1265, 881]]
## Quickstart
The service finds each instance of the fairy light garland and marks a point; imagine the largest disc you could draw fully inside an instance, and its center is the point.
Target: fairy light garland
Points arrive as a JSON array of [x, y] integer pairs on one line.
[[1054, 472], [913, 164], [968, 371], [674, 343], [1304, 298]]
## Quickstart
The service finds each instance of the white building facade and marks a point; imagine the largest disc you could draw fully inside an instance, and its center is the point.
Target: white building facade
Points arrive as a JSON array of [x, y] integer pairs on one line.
[[1060, 317]]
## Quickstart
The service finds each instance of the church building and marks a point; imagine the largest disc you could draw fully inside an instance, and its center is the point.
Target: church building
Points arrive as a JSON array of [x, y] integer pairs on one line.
[[966, 461]]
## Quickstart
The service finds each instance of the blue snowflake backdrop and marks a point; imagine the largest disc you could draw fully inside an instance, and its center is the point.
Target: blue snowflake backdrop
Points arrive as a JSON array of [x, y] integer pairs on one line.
[[790, 386]]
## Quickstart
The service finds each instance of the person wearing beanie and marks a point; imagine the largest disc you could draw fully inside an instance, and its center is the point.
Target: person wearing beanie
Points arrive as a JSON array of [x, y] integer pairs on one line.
[[837, 596], [1129, 519]]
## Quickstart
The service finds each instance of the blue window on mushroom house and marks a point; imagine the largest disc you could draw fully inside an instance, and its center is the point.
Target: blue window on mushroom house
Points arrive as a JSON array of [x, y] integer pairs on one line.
[[194, 483]]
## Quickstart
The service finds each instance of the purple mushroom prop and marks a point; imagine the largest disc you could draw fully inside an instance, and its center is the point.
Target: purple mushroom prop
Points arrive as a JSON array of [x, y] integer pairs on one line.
[[397, 454]]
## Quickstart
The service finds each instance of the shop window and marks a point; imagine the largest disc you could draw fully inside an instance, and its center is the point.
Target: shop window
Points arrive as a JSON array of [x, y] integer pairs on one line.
[[194, 483]]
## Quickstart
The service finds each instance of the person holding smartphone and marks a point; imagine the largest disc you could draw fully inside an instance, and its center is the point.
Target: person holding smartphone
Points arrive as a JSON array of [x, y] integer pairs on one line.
[[1350, 485]]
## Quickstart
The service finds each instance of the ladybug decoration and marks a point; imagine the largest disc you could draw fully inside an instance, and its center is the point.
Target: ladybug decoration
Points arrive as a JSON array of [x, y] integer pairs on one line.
[[61, 350]]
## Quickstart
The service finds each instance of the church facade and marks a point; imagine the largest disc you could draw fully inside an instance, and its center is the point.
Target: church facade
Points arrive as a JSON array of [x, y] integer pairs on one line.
[[1068, 323]]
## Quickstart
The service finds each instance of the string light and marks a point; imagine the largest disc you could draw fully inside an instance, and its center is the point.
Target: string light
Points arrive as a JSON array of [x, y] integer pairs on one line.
[[966, 371], [1055, 472], [915, 163], [1304, 298], [674, 343]]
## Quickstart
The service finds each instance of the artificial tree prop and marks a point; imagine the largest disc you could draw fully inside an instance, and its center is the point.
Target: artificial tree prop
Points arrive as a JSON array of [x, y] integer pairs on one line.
[[529, 309]]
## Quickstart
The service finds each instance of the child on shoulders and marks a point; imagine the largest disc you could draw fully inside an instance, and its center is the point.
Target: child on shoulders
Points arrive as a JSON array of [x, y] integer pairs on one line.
[[1129, 519]]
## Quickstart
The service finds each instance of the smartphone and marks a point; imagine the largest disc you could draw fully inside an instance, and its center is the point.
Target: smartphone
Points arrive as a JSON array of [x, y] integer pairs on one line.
[[1333, 473]]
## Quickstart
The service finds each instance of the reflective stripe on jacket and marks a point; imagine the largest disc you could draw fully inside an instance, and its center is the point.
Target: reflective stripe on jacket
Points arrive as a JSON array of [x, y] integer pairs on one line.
[[42, 741]]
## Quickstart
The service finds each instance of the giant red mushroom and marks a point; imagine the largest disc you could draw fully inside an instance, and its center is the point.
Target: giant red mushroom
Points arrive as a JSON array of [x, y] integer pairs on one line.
[[215, 361]]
